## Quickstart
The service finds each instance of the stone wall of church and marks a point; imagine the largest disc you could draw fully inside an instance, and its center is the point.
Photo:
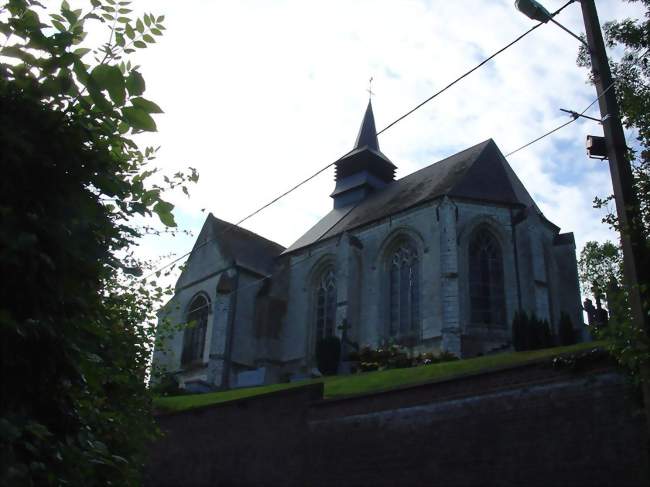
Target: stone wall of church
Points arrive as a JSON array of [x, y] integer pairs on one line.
[[497, 219], [174, 314], [538, 276], [204, 269], [567, 286], [534, 239], [420, 227], [244, 345], [360, 260]]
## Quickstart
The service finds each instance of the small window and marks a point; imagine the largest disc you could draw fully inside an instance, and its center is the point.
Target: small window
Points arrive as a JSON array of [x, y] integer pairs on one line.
[[486, 287], [404, 294], [325, 299], [194, 335]]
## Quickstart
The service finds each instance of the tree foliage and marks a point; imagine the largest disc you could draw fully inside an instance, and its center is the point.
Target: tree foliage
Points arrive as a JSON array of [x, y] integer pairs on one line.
[[74, 408], [599, 267], [631, 72]]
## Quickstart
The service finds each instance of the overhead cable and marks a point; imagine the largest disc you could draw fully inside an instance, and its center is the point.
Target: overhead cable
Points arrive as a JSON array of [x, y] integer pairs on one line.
[[573, 119], [399, 119]]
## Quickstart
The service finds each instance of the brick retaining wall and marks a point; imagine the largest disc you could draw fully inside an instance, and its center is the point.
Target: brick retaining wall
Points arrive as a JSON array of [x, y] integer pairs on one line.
[[526, 425]]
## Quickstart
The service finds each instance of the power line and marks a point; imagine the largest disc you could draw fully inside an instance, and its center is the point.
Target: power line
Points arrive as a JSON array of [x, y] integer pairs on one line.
[[232, 225], [575, 117], [274, 200], [318, 252], [467, 73], [399, 119], [541, 137]]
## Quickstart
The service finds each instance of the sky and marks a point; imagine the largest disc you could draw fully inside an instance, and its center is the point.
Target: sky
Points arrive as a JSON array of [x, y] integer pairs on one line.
[[258, 95]]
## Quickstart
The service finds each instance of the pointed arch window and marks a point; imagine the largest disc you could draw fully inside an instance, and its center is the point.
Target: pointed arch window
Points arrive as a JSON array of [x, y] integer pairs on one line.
[[487, 300], [404, 294], [194, 334], [325, 299]]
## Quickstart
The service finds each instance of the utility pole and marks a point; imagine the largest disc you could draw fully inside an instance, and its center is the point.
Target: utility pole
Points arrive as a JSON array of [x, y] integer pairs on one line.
[[633, 239], [627, 205]]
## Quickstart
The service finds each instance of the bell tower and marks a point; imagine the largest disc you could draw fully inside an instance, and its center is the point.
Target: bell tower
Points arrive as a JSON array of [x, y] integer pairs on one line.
[[364, 169]]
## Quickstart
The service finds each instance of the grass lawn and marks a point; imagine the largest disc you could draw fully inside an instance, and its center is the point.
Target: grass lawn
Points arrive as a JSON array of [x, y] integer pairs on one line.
[[349, 385]]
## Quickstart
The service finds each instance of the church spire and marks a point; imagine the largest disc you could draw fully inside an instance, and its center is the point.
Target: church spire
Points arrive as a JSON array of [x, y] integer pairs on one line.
[[364, 169], [367, 133]]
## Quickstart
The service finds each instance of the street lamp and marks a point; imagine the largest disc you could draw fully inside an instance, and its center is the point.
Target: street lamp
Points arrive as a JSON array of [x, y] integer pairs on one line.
[[633, 239], [536, 11], [533, 10]]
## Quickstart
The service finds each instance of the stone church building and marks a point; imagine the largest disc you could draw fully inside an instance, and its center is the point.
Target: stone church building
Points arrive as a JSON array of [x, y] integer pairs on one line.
[[440, 259]]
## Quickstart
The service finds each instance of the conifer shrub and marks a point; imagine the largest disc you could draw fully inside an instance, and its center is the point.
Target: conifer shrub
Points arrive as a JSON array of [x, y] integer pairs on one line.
[[519, 331], [328, 355], [566, 335], [530, 333]]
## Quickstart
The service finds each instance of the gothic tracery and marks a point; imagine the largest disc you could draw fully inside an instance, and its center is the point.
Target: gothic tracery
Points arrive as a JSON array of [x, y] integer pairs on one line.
[[326, 304], [486, 287], [404, 290]]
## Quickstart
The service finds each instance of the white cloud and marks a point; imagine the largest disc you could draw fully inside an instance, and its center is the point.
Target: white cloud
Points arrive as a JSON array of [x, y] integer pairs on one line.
[[258, 95]]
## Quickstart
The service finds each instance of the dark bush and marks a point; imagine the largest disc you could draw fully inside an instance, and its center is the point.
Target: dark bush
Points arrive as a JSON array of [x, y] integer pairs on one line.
[[520, 331], [168, 385], [328, 355], [446, 357], [397, 357], [566, 335], [530, 333]]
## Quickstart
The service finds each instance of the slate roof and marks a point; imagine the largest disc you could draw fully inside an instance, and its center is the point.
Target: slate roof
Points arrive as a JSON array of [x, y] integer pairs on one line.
[[479, 173], [246, 248]]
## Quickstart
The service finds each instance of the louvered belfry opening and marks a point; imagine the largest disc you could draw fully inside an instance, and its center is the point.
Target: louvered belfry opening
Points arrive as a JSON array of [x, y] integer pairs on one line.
[[364, 169]]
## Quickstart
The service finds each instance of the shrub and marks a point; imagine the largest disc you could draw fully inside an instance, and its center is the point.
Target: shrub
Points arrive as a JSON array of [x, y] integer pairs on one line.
[[520, 331], [566, 335], [328, 355], [395, 356], [544, 334], [446, 356], [76, 323], [168, 385], [530, 333]]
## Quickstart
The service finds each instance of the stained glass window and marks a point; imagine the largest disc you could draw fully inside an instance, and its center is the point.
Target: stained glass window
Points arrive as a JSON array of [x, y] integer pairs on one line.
[[404, 291], [326, 304], [486, 288], [194, 334]]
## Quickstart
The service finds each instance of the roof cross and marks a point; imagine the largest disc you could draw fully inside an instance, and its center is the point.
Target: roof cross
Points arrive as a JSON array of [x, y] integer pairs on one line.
[[369, 90]]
